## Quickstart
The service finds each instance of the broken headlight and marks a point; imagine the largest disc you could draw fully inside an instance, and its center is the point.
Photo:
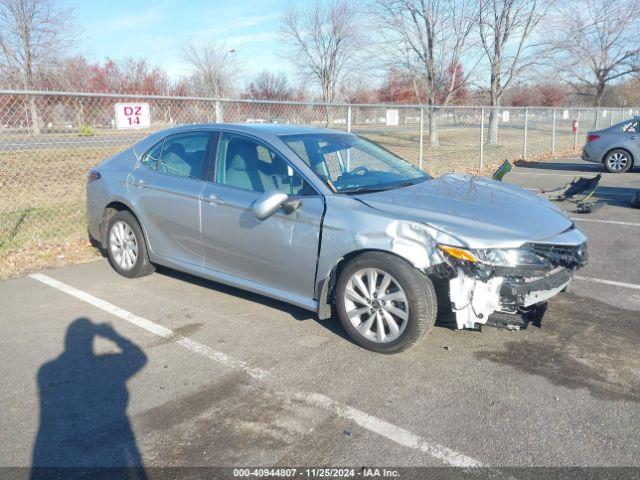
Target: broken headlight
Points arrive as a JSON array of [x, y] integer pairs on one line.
[[510, 260]]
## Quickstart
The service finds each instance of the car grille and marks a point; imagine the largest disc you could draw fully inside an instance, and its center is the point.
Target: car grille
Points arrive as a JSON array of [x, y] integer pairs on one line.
[[570, 256]]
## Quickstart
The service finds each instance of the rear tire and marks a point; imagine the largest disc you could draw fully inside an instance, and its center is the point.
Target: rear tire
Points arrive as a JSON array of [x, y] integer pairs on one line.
[[394, 314], [618, 160], [126, 248]]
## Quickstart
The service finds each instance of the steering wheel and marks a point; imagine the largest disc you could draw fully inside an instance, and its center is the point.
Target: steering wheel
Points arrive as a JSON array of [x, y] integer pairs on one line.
[[361, 168]]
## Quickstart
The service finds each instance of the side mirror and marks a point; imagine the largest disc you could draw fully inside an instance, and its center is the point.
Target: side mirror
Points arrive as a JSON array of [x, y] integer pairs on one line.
[[268, 203]]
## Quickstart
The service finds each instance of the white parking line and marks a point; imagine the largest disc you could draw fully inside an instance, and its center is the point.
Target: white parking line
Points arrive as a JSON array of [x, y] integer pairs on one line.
[[390, 431], [608, 282], [152, 327], [373, 424], [612, 222]]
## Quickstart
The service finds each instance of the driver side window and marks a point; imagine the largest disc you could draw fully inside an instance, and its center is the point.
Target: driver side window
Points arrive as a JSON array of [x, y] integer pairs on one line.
[[247, 164]]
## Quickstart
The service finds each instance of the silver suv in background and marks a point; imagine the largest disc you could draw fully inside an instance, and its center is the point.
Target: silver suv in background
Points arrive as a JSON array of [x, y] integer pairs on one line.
[[331, 222], [616, 147]]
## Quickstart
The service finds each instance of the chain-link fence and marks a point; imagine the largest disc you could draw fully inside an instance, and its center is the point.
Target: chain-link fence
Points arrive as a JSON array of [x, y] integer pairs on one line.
[[48, 141]]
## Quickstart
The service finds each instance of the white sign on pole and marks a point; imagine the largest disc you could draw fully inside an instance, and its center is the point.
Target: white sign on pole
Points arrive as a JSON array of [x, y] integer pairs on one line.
[[565, 114], [392, 118], [505, 115], [132, 115]]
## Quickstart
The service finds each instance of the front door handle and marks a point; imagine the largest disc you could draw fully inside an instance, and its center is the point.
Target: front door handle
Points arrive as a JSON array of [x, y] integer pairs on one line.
[[212, 199], [139, 183]]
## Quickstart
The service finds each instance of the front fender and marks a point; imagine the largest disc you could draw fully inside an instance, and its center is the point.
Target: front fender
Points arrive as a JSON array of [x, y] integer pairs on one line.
[[350, 227]]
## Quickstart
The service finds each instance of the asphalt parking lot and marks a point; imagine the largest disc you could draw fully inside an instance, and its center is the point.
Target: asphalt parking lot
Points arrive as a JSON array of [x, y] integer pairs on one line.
[[187, 372]]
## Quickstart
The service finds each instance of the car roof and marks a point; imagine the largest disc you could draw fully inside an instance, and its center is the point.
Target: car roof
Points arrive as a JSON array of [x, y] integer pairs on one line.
[[255, 128]]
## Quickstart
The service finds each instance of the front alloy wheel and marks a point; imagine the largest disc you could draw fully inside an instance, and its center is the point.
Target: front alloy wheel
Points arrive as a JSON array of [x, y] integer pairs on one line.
[[376, 305], [384, 303]]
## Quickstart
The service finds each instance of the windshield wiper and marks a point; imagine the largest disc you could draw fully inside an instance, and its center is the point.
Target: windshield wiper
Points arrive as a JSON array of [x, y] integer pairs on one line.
[[364, 189], [380, 188]]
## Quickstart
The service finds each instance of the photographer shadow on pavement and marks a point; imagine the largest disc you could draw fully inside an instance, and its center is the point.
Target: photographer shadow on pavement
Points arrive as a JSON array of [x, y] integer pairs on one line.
[[84, 431]]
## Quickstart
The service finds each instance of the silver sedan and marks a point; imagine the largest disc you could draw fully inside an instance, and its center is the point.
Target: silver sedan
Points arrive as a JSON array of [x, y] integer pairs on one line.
[[331, 222], [616, 147]]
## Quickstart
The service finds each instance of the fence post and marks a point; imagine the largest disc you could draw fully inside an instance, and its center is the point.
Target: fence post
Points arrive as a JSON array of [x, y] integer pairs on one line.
[[421, 141], [575, 134], [218, 111], [553, 134], [526, 127], [26, 116], [481, 139], [348, 118]]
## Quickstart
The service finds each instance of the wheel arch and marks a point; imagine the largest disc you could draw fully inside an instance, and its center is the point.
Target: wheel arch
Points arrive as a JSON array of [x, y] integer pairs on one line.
[[113, 207], [326, 286]]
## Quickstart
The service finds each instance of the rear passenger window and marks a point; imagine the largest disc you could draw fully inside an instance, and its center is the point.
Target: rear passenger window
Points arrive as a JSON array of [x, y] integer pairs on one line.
[[184, 155], [150, 159]]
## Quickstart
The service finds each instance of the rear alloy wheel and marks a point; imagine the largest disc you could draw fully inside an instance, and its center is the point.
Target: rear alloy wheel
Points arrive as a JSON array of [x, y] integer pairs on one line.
[[618, 161], [384, 303], [126, 248]]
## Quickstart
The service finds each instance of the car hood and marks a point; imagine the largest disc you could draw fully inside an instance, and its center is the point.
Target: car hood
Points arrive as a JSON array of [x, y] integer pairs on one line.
[[480, 212]]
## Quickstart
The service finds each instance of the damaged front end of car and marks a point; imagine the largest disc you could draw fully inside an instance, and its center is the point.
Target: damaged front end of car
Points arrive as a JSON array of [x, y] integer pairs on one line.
[[504, 287]]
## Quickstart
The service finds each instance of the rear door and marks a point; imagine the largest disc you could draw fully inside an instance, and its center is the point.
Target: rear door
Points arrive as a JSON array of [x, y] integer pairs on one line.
[[632, 133], [166, 187], [279, 252]]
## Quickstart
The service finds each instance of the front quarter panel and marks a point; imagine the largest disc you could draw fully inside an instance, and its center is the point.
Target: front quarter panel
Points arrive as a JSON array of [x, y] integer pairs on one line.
[[350, 226]]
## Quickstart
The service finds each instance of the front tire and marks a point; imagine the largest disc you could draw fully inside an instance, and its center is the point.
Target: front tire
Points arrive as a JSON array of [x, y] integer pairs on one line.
[[126, 248], [384, 303], [618, 160]]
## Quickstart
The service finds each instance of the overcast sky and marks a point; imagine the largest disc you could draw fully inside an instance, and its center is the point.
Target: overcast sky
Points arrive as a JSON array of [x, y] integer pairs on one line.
[[156, 29]]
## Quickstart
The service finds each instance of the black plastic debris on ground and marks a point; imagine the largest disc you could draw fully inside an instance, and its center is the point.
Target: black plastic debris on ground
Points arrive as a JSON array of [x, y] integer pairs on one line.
[[579, 191]]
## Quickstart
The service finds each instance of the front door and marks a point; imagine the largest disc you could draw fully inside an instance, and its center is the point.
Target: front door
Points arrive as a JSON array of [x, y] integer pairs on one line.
[[279, 252], [165, 188]]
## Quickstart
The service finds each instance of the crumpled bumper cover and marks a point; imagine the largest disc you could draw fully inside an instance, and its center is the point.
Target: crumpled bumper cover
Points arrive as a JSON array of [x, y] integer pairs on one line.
[[473, 300]]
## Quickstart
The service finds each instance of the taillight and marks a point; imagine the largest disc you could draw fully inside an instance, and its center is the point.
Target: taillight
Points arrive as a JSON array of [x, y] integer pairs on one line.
[[93, 175], [591, 137]]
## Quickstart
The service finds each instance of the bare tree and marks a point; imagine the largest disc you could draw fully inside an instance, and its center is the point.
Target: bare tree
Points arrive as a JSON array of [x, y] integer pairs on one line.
[[506, 28], [324, 40], [214, 67], [270, 86], [431, 37], [33, 34], [600, 43]]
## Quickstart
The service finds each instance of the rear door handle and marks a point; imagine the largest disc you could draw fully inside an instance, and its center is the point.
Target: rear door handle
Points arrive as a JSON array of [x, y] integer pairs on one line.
[[212, 199], [632, 137]]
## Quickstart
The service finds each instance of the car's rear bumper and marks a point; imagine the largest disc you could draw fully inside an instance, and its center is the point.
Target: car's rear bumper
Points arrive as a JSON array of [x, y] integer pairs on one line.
[[588, 155]]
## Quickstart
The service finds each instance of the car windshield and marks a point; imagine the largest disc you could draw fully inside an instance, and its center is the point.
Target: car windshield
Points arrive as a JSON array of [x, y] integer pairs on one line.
[[350, 164]]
